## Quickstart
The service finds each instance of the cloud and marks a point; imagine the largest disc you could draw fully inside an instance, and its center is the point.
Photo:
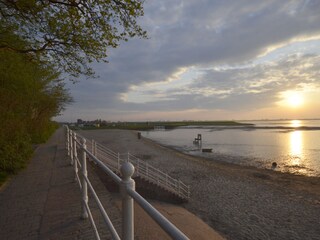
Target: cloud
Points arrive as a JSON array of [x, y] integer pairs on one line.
[[207, 36], [251, 87]]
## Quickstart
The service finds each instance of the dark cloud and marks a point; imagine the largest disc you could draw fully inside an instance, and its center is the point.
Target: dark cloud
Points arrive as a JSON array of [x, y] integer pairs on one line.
[[205, 34], [250, 88]]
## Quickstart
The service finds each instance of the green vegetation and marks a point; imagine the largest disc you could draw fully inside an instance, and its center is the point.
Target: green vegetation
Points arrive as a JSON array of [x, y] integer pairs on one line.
[[40, 41], [3, 177], [70, 34], [31, 93], [168, 125]]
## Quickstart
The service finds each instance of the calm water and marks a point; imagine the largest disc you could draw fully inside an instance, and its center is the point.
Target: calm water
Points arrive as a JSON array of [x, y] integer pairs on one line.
[[296, 151]]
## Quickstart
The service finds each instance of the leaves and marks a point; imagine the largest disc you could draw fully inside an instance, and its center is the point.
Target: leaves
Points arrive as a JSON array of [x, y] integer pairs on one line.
[[72, 33], [31, 93], [39, 40]]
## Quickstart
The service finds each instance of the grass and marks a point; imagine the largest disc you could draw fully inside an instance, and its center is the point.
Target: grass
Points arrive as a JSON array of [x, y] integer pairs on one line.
[[143, 126]]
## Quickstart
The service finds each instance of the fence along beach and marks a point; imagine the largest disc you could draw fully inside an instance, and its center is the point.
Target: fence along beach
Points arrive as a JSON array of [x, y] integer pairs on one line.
[[240, 202]]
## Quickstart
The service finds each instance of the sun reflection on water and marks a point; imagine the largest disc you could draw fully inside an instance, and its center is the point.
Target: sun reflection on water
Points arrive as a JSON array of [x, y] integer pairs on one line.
[[296, 147], [295, 123]]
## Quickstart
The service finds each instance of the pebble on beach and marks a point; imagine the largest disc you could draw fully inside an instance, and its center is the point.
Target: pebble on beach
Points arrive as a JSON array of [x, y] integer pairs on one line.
[[230, 198]]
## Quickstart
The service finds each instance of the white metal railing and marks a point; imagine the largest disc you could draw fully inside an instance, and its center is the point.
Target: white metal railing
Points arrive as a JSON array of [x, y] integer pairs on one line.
[[76, 144], [143, 169]]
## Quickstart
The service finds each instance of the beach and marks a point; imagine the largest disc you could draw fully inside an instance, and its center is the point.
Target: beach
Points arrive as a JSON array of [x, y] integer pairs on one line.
[[239, 202]]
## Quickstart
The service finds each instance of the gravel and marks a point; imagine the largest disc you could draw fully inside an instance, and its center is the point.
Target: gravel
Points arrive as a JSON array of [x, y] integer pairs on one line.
[[239, 202]]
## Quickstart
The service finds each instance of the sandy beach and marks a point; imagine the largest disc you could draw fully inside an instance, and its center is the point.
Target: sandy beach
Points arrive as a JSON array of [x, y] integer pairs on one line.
[[239, 202]]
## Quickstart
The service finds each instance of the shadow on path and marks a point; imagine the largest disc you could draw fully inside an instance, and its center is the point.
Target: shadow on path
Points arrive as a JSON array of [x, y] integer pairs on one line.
[[43, 201]]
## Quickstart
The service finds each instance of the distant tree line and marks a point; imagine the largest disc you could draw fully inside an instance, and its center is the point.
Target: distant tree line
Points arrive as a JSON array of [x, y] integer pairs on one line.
[[42, 42]]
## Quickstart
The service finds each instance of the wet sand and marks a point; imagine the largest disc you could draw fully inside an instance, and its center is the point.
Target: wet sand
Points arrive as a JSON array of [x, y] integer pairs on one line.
[[239, 202]]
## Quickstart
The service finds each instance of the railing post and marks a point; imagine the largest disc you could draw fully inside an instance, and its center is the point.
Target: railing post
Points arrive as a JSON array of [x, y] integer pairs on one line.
[[127, 170], [138, 166], [176, 184], [71, 147], [92, 146], [118, 162], [95, 148], [167, 179], [75, 156], [67, 143], [84, 174], [147, 170]]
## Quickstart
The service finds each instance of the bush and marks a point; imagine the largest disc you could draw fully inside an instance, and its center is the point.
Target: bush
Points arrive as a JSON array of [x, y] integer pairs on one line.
[[15, 149], [42, 133]]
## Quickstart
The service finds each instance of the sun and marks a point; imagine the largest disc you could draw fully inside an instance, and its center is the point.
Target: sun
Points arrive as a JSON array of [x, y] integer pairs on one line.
[[293, 99]]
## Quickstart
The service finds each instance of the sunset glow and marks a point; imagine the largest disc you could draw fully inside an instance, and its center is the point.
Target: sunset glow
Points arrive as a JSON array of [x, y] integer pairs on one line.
[[295, 123], [292, 99], [197, 59], [295, 100]]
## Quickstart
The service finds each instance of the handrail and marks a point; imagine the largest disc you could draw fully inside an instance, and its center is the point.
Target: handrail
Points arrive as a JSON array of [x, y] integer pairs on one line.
[[96, 233], [159, 177], [114, 176], [126, 184], [174, 232], [143, 169], [104, 214]]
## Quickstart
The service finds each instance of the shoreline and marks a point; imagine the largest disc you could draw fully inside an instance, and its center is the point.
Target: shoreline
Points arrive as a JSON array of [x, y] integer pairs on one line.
[[238, 201], [224, 162], [268, 175], [253, 127], [262, 162]]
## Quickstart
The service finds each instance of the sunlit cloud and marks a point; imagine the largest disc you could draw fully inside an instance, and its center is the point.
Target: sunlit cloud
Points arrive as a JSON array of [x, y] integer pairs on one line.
[[294, 41], [265, 81], [214, 56]]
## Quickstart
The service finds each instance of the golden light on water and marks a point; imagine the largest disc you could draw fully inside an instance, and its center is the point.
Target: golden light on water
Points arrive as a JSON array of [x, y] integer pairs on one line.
[[296, 147], [295, 123]]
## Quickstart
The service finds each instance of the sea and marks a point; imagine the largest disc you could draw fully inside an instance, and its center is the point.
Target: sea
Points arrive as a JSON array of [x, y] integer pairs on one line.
[[294, 145]]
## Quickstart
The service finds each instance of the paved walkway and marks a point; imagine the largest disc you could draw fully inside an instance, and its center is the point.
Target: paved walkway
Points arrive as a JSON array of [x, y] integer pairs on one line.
[[43, 201]]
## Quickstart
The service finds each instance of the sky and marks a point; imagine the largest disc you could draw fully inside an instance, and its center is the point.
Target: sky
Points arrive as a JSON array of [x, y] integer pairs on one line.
[[209, 60]]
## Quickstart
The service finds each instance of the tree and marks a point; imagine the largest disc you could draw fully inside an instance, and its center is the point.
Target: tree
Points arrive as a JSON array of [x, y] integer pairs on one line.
[[70, 33], [39, 40], [30, 95]]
